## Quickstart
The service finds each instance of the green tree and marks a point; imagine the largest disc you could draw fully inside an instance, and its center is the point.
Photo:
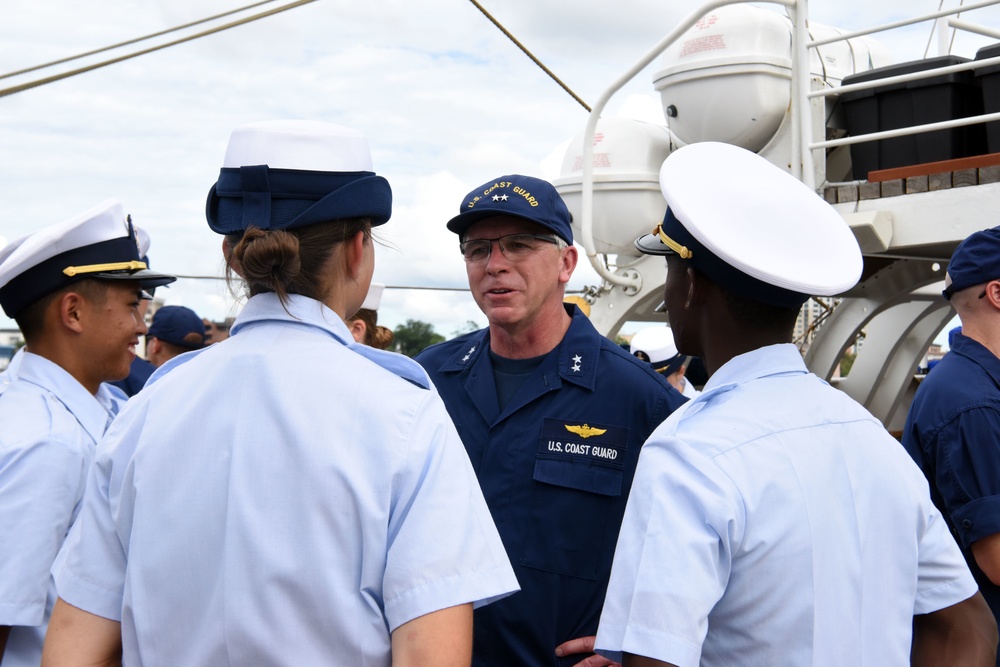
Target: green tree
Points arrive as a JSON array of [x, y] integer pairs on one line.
[[413, 336], [468, 327], [847, 362]]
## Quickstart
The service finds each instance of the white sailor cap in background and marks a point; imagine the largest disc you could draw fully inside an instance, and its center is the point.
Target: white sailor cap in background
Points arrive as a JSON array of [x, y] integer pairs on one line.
[[284, 174], [100, 243], [656, 345], [751, 227], [374, 296]]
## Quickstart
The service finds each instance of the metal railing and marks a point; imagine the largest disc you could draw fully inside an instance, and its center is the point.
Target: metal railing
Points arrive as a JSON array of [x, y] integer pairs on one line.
[[813, 146], [805, 149]]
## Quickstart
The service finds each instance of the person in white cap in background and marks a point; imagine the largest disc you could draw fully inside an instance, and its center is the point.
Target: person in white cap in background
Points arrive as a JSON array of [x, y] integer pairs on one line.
[[321, 508], [74, 290], [364, 324], [773, 521], [656, 345]]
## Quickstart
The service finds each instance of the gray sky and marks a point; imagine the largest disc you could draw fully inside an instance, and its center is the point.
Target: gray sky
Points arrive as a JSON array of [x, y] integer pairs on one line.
[[446, 100]]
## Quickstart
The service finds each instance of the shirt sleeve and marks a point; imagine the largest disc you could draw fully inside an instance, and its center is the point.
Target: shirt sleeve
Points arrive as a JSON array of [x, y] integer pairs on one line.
[[443, 547], [90, 571], [40, 485], [682, 525], [967, 461], [943, 577]]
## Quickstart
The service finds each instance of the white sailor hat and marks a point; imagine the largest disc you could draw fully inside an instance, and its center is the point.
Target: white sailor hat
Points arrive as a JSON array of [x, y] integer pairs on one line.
[[656, 345], [751, 227], [100, 243], [374, 296], [291, 173]]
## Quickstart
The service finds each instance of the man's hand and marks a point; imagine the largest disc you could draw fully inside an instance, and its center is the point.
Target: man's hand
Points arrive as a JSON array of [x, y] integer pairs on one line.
[[584, 645]]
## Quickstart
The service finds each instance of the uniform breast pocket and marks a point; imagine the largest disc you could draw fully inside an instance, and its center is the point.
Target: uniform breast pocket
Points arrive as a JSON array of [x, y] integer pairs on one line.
[[576, 495]]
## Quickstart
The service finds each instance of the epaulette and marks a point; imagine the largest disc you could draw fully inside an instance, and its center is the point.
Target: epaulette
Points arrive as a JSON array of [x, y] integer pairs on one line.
[[396, 364]]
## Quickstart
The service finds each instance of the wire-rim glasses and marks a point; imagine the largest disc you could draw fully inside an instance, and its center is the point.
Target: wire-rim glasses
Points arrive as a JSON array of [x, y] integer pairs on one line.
[[513, 246]]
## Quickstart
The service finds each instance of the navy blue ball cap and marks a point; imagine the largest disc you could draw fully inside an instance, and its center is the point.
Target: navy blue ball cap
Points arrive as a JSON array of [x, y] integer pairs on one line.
[[287, 174], [100, 243], [518, 196], [179, 326], [976, 261], [752, 227]]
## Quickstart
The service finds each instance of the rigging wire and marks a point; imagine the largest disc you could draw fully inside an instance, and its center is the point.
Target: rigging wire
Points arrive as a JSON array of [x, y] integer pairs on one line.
[[425, 288], [65, 75], [530, 55], [934, 29], [134, 41]]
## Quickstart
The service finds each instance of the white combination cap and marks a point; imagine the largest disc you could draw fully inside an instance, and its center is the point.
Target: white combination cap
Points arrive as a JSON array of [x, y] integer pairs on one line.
[[656, 345], [99, 243], [752, 227]]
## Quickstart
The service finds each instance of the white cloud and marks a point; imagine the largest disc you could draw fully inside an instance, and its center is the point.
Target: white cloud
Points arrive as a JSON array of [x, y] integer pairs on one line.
[[446, 100]]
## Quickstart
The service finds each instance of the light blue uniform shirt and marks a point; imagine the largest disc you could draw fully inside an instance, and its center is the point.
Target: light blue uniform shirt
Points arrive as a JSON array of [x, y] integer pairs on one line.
[[281, 499], [51, 425], [8, 374], [773, 521]]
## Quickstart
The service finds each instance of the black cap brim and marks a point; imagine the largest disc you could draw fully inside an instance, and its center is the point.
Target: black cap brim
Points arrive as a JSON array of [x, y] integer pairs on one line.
[[144, 277], [650, 244]]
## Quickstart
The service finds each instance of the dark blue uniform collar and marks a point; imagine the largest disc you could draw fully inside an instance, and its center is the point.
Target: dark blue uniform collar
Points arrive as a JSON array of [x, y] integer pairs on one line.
[[574, 360], [979, 354]]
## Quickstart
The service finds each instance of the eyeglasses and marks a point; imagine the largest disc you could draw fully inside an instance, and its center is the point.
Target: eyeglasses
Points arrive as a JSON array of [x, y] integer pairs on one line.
[[513, 246]]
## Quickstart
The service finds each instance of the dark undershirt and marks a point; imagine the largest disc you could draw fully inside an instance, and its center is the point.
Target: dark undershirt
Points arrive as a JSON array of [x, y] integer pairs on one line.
[[510, 374]]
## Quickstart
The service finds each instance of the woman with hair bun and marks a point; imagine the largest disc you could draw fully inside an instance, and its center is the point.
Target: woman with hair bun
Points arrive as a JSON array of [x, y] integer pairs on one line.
[[287, 496], [364, 324]]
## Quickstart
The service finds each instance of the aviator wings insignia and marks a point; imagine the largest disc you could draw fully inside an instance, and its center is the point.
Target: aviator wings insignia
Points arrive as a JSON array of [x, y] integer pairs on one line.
[[586, 430]]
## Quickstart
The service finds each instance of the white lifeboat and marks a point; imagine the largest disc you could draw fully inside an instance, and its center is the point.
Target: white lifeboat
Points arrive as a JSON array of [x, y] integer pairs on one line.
[[728, 78]]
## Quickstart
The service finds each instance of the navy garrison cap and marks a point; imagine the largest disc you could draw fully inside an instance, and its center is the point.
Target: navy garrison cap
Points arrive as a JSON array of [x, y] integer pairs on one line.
[[286, 174], [99, 243], [975, 261], [751, 227], [519, 196]]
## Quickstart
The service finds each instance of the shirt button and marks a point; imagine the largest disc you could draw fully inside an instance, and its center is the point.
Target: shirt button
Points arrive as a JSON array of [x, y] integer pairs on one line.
[[966, 523]]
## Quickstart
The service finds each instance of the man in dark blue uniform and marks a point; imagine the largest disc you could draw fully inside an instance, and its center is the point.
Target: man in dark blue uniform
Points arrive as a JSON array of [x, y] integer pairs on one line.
[[552, 414], [953, 428]]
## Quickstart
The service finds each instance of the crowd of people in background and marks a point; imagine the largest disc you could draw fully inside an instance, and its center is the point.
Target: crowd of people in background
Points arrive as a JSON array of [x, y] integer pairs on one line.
[[283, 490]]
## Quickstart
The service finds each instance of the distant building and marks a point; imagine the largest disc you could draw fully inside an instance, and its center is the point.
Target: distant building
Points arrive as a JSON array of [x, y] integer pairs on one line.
[[11, 337], [811, 317], [934, 354]]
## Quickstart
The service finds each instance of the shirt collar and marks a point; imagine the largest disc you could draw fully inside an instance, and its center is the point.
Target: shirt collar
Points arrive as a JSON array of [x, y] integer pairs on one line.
[[574, 359], [309, 312], [978, 353], [771, 360], [83, 405]]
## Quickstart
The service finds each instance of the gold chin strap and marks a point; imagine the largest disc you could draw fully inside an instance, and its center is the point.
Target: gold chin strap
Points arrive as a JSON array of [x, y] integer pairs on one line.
[[681, 250], [132, 265]]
